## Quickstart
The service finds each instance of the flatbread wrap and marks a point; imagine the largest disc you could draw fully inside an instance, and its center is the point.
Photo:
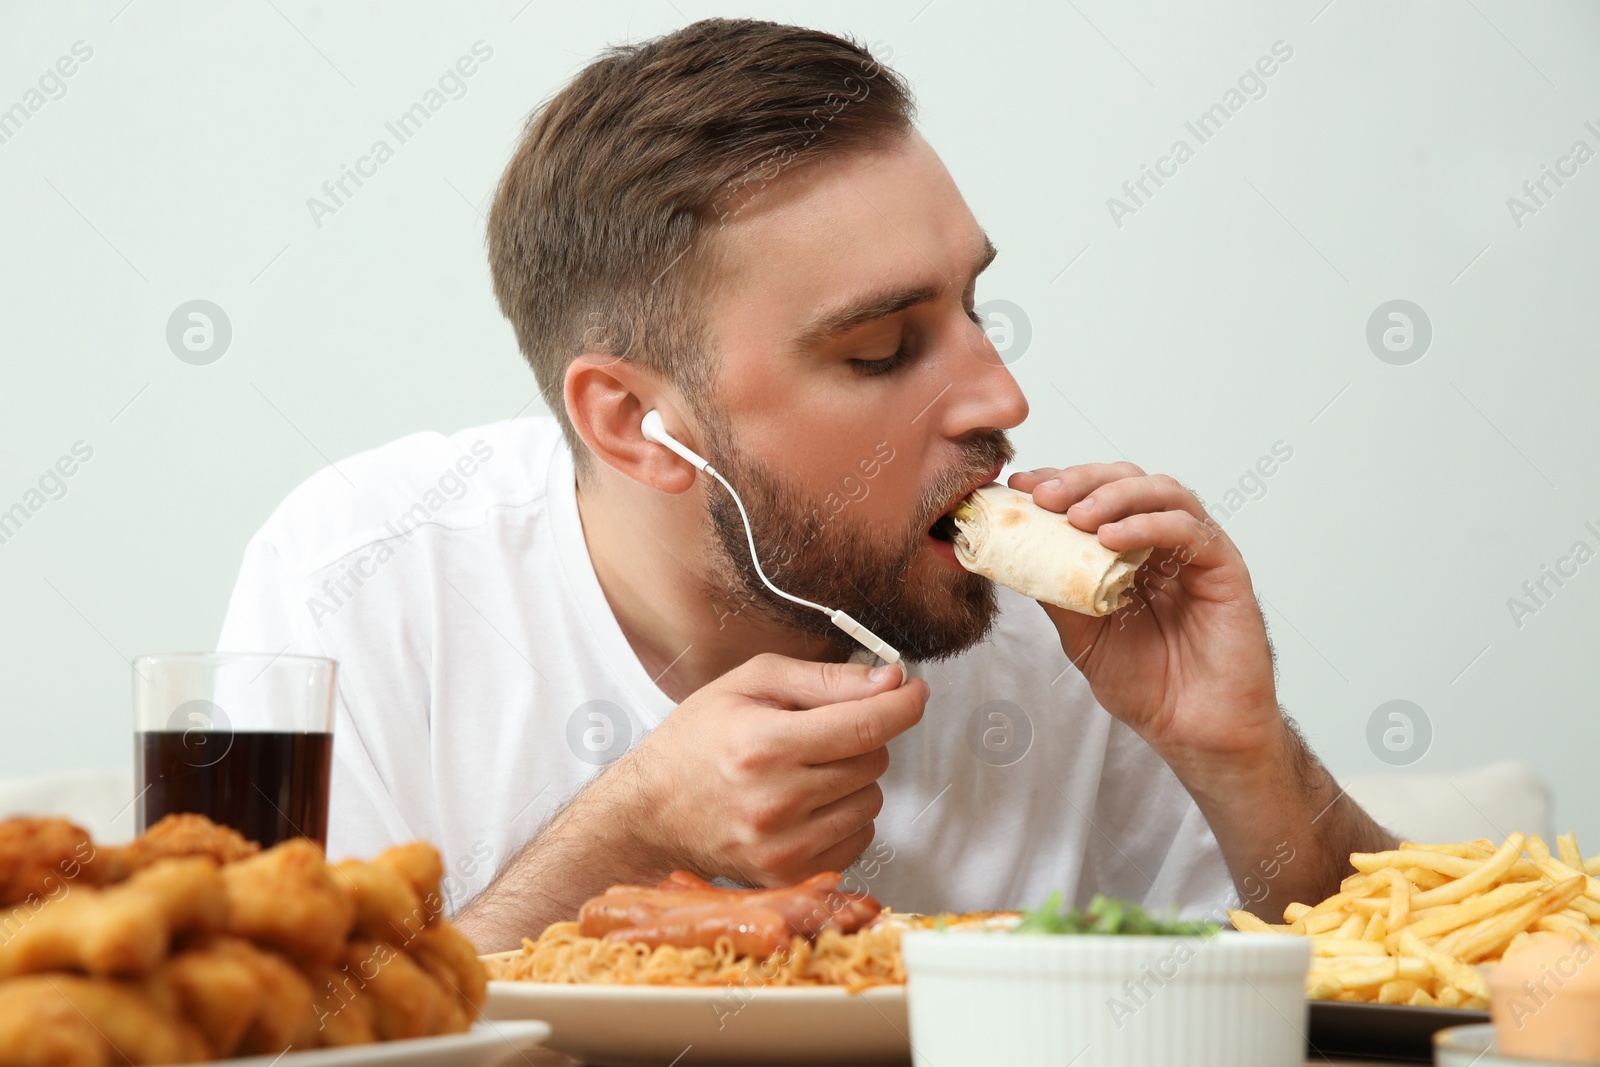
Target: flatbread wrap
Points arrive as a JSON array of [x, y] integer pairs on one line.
[[1004, 536]]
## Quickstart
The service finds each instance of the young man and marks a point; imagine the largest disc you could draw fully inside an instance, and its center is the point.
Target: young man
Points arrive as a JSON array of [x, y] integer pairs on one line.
[[557, 661]]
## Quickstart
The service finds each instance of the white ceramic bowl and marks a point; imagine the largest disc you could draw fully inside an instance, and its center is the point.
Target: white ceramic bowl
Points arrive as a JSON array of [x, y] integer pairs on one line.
[[1232, 1000]]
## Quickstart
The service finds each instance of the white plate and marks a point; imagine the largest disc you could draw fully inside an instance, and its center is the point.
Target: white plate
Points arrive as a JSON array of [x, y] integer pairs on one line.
[[650, 1026], [487, 1044], [1466, 1046]]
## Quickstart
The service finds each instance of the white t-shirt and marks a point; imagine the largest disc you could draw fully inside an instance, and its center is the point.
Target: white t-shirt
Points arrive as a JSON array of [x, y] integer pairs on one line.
[[483, 680]]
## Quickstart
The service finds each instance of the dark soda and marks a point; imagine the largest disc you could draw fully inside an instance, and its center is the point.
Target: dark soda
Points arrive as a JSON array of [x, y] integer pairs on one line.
[[270, 786]]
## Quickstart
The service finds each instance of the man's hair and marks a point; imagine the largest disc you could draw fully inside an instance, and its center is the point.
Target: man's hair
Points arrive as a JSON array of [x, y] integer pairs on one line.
[[601, 233]]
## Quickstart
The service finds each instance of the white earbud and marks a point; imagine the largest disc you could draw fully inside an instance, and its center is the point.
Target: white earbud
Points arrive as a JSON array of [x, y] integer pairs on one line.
[[655, 430]]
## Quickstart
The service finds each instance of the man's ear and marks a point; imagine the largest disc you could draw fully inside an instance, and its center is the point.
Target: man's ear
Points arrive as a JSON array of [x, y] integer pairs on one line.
[[607, 399]]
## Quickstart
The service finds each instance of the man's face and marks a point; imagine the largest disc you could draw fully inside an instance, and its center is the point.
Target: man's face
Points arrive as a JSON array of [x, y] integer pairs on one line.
[[857, 400]]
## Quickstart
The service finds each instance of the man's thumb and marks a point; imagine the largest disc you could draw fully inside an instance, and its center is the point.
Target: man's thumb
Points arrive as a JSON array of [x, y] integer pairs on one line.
[[793, 683]]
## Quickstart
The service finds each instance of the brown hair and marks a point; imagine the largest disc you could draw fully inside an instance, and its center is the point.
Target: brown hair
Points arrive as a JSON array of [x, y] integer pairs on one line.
[[600, 233]]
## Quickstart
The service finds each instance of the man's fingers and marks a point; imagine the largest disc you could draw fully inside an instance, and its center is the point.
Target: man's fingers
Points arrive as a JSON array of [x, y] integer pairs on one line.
[[839, 731], [1063, 488], [843, 821], [1193, 540], [1071, 484], [789, 683], [822, 842], [841, 855], [1024, 481], [833, 781], [1131, 496]]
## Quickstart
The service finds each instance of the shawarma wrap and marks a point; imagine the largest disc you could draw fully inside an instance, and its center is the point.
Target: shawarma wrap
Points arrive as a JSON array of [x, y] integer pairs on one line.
[[1004, 536]]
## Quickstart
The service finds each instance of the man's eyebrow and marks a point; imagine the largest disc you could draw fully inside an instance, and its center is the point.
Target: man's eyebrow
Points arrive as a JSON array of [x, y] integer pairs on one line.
[[830, 324]]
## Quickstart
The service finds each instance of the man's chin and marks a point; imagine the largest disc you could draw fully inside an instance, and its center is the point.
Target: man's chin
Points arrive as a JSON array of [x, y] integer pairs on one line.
[[926, 606], [944, 611], [935, 611]]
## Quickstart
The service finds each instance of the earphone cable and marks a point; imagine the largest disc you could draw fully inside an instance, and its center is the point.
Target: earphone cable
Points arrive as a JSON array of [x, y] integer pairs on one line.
[[750, 537]]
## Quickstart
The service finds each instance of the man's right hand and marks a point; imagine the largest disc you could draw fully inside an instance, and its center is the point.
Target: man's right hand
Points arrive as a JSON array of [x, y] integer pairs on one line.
[[770, 773], [766, 775]]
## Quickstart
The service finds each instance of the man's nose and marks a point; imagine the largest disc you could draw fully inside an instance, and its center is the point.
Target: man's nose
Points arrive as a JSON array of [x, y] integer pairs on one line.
[[984, 394]]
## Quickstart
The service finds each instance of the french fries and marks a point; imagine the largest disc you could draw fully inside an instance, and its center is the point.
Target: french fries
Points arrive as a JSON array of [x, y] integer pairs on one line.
[[1410, 925]]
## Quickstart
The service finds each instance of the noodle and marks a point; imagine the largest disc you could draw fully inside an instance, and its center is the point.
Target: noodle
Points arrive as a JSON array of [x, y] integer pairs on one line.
[[866, 958]]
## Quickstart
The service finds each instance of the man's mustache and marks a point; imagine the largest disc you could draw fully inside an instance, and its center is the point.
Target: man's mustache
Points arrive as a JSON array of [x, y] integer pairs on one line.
[[981, 456]]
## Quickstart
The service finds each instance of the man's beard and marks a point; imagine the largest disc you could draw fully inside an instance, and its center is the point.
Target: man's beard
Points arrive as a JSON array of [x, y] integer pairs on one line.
[[819, 551]]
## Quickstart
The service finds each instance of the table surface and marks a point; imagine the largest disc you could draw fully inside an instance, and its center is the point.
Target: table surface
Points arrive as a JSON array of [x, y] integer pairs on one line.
[[547, 1058]]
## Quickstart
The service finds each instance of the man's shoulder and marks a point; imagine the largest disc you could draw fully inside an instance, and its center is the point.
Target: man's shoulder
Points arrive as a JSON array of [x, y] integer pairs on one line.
[[452, 481]]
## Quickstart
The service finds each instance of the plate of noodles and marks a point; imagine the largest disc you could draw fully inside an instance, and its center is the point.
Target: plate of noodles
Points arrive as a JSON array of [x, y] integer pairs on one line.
[[690, 973]]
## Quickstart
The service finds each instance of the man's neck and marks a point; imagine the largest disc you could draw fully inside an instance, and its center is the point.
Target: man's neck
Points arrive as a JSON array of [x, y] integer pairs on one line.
[[653, 575]]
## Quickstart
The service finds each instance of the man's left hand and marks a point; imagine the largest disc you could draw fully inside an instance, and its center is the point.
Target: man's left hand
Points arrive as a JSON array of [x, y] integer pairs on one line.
[[1188, 667], [1186, 664]]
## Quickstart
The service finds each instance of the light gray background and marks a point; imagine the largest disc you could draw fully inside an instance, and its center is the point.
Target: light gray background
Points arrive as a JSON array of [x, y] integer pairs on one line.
[[1227, 314]]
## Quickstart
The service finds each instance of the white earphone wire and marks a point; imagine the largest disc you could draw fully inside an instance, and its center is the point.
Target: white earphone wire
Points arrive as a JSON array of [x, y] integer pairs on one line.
[[656, 431], [750, 539]]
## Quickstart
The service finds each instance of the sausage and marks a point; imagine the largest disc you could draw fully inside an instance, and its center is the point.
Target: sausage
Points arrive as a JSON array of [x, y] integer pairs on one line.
[[807, 909], [639, 906], [685, 880], [754, 931]]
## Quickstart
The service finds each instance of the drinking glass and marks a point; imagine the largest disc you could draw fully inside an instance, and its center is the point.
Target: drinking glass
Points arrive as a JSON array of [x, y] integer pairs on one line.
[[245, 739]]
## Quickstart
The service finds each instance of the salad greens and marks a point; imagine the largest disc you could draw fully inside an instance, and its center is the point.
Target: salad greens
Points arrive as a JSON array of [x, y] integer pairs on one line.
[[1107, 916]]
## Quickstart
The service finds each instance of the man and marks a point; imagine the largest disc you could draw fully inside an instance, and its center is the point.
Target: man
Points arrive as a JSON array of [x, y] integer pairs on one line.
[[737, 225]]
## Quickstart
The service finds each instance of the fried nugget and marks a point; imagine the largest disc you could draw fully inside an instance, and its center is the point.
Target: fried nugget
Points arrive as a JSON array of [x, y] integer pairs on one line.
[[63, 1020], [286, 1016], [123, 930], [216, 990], [407, 1001], [344, 1011], [419, 864], [39, 857], [287, 897], [387, 906], [446, 952], [36, 1032], [174, 836]]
